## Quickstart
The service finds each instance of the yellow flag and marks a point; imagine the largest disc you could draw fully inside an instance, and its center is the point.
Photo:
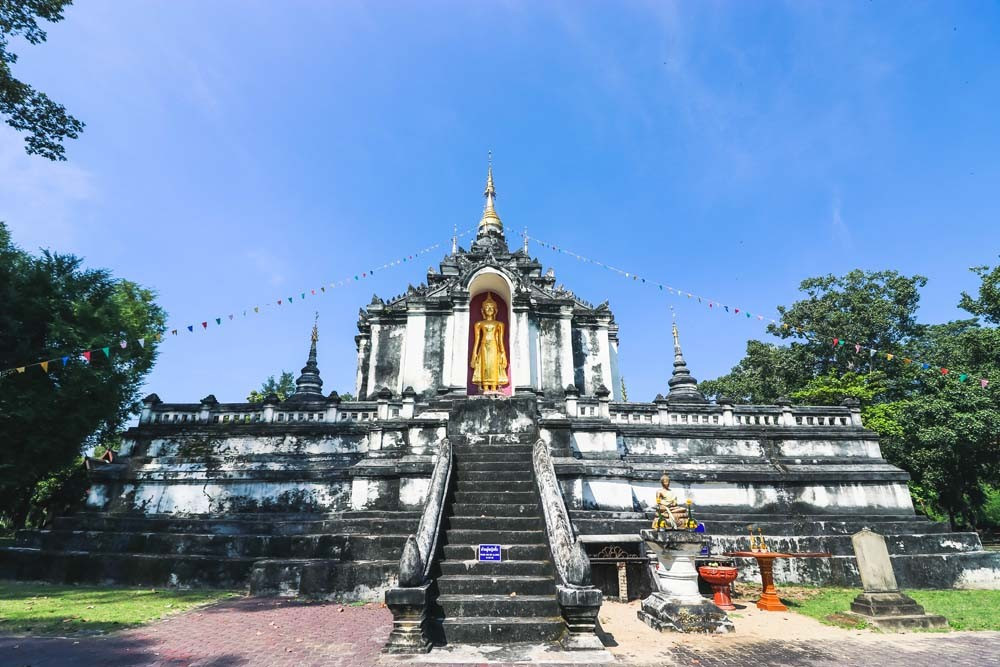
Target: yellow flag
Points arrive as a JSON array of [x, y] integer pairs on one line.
[[45, 366], [889, 357], [20, 369]]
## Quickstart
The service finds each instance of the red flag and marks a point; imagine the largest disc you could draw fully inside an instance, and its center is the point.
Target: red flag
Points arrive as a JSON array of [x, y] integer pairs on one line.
[[836, 342], [204, 325], [944, 371], [86, 355]]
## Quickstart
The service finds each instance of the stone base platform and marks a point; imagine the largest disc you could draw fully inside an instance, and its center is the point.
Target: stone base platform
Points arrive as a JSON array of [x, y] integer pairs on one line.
[[924, 553], [347, 555], [665, 613], [894, 612]]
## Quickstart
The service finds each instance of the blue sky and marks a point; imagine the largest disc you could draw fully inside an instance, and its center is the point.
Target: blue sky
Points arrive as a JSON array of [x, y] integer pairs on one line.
[[239, 152]]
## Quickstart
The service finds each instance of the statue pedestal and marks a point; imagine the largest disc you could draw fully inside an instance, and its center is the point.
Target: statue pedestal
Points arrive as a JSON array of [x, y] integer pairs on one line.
[[678, 606]]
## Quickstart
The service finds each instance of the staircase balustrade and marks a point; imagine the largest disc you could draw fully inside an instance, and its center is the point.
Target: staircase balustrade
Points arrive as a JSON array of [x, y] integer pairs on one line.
[[409, 601], [579, 600]]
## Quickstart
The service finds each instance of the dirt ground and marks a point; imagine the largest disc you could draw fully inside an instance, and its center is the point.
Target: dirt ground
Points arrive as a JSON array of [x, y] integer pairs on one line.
[[635, 642]]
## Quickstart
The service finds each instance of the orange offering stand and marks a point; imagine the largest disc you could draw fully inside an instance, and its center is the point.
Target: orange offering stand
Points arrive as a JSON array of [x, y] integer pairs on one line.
[[769, 600]]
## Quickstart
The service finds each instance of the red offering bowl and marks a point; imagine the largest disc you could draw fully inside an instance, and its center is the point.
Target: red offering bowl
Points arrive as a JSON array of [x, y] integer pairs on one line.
[[720, 578]]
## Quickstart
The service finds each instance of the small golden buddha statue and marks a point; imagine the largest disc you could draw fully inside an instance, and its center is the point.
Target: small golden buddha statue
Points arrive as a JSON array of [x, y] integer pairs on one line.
[[669, 514], [489, 358]]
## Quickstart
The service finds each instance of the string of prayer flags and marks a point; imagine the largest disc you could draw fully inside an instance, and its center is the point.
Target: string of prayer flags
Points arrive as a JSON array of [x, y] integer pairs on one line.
[[86, 355], [714, 304]]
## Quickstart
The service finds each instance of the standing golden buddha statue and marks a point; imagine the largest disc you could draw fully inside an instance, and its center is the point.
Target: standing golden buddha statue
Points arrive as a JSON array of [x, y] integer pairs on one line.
[[489, 357]]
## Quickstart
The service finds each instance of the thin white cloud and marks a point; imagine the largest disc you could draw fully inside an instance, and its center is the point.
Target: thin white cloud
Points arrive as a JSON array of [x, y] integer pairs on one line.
[[40, 199]]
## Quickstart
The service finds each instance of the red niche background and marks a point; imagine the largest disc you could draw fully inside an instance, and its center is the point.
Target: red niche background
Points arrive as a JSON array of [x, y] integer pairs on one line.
[[475, 315]]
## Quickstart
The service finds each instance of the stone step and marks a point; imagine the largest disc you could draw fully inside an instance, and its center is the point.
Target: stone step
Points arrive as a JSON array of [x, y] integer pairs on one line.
[[321, 578], [496, 510], [129, 569], [748, 517], [497, 522], [971, 569], [343, 547], [497, 498], [491, 475], [484, 584], [841, 545], [533, 568], [494, 536], [522, 485], [798, 527], [360, 522], [494, 439], [523, 468], [502, 630], [479, 605], [480, 448], [507, 551], [492, 457]]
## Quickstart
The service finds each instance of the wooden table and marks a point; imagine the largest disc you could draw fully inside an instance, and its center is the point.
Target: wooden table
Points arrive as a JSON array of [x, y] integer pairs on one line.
[[769, 600]]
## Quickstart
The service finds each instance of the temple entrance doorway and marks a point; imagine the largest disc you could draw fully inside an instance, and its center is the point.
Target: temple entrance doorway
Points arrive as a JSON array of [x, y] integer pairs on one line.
[[489, 360]]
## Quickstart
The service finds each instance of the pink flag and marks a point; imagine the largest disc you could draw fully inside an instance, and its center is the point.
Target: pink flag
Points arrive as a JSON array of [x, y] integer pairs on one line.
[[983, 383]]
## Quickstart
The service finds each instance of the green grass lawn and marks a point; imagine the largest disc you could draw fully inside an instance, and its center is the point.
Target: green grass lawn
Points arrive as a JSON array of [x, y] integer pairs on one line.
[[46, 609], [964, 609]]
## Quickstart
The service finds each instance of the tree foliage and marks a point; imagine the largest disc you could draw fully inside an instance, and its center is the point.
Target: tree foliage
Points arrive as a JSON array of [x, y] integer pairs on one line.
[[944, 429], [284, 387], [53, 307], [26, 109]]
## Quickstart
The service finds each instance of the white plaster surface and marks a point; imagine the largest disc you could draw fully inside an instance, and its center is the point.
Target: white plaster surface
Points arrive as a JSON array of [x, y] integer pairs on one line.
[[215, 497], [413, 492]]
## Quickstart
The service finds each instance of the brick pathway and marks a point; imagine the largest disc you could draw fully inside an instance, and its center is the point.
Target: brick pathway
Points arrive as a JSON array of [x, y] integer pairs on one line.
[[260, 632]]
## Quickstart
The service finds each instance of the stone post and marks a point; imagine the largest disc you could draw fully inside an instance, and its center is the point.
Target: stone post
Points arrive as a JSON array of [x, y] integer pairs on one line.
[[409, 617], [854, 405], [148, 404], [270, 403], [662, 410], [208, 404], [727, 410], [332, 407], [409, 401], [787, 419], [382, 399], [572, 400], [604, 396]]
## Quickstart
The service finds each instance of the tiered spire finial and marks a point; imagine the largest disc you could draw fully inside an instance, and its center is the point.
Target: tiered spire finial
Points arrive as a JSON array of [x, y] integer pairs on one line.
[[490, 222], [683, 387], [310, 384]]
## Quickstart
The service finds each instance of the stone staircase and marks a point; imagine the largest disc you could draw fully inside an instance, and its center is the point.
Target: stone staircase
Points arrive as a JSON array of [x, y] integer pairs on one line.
[[495, 502], [351, 554]]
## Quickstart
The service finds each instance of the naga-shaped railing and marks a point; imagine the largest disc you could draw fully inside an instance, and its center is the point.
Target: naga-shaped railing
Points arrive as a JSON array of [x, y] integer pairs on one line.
[[579, 601], [418, 552], [568, 554]]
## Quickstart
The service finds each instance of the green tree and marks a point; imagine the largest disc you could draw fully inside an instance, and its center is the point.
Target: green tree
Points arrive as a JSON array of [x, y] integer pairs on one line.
[[942, 428], [284, 387], [26, 109], [987, 303], [52, 309], [871, 308]]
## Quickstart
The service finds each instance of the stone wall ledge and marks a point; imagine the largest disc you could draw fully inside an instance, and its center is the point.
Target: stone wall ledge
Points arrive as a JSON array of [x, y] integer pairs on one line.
[[763, 473], [716, 431]]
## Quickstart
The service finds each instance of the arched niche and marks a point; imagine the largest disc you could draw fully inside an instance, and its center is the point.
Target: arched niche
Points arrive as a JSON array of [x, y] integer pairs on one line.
[[484, 282]]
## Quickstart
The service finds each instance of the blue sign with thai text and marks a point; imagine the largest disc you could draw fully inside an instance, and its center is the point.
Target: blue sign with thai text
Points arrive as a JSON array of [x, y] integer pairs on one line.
[[489, 552]]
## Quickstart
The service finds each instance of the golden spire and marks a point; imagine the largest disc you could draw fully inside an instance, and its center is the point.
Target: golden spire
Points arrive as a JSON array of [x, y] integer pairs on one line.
[[490, 220], [315, 332]]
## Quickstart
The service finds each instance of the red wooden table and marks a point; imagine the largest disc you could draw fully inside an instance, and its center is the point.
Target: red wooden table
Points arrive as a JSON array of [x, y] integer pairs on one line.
[[769, 600]]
